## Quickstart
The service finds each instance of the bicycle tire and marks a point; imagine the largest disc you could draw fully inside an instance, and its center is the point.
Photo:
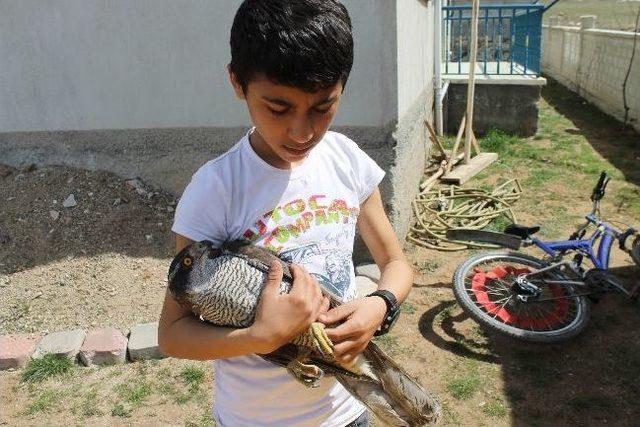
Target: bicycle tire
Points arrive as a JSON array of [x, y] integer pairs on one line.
[[635, 251], [486, 313]]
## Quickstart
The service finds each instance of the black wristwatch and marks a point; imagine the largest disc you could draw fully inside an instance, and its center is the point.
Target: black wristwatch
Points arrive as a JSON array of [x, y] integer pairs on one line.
[[393, 310]]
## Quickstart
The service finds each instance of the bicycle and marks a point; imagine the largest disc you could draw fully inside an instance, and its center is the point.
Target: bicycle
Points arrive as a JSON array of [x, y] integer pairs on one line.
[[541, 299]]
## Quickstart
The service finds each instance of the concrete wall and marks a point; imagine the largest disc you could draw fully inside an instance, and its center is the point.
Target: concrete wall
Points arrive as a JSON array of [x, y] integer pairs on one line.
[[140, 88], [415, 55], [594, 64], [508, 107], [117, 64]]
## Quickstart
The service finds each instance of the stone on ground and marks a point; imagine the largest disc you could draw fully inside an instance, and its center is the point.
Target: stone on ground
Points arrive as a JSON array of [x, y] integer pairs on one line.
[[106, 346], [63, 343], [16, 350], [143, 342], [370, 270], [364, 286]]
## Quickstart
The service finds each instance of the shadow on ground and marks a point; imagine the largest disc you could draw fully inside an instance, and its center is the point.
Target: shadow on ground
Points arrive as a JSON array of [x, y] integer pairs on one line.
[[617, 143]]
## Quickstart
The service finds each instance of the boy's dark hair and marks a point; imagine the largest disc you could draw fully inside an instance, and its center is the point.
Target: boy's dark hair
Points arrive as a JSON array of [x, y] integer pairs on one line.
[[306, 44]]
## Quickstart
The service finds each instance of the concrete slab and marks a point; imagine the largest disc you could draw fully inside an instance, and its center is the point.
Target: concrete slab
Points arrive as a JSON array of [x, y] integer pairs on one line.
[[63, 343], [106, 346], [369, 270], [143, 342], [364, 286], [16, 350]]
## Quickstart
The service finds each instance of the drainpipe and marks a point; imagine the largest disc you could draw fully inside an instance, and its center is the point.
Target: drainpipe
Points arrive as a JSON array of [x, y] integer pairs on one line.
[[437, 39]]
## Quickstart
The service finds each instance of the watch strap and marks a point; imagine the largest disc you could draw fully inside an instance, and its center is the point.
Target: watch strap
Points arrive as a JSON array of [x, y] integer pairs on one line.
[[392, 310]]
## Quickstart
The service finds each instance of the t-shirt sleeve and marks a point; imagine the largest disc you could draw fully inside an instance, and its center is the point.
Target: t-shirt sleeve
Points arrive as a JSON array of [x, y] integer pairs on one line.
[[367, 172], [201, 213]]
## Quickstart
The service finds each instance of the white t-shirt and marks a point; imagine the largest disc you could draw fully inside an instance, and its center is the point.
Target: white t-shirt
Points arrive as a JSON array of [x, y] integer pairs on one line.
[[308, 216]]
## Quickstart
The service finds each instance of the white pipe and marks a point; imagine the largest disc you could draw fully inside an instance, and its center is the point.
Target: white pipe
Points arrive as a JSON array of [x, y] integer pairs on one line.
[[437, 40]]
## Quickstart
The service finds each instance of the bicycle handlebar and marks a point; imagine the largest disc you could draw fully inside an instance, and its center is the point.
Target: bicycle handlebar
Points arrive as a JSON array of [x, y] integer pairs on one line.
[[598, 190]]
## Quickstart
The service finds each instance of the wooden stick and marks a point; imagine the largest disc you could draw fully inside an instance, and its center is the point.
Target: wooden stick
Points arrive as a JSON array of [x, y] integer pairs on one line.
[[472, 80], [476, 146], [455, 145], [434, 137]]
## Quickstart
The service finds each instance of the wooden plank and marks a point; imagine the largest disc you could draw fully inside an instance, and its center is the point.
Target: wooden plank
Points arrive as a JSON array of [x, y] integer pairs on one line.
[[455, 145], [434, 137], [463, 173], [472, 80]]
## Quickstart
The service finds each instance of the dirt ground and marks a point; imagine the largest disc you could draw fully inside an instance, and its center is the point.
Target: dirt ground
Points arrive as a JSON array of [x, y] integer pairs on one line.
[[104, 262], [84, 265]]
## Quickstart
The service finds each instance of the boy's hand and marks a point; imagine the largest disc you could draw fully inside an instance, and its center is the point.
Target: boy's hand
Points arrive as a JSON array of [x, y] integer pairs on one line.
[[280, 318], [362, 318]]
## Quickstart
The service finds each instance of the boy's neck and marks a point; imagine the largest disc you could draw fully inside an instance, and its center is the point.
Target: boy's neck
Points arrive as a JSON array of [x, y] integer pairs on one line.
[[262, 149]]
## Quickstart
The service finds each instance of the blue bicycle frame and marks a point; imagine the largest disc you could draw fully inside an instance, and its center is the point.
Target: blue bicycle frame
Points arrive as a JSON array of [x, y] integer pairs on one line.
[[584, 246]]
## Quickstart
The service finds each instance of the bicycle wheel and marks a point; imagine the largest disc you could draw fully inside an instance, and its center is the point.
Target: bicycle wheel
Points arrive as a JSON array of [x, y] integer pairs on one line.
[[635, 251], [484, 287]]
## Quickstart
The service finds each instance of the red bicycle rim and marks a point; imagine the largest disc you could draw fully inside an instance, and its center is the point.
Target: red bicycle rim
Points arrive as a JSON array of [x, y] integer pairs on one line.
[[553, 317]]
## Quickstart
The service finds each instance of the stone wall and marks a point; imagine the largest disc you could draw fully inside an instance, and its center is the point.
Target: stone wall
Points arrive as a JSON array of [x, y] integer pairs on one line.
[[594, 63]]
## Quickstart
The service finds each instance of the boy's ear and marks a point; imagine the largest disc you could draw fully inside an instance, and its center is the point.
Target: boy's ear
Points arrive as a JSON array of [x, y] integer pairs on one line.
[[237, 87]]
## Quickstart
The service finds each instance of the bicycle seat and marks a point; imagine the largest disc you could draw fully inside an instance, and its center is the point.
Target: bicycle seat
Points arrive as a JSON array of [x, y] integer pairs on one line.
[[521, 230]]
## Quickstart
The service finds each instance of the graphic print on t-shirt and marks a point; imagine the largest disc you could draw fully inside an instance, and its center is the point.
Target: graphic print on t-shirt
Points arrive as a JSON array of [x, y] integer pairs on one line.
[[318, 233]]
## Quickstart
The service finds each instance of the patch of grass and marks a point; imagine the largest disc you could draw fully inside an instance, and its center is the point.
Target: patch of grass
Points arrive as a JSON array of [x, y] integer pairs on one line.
[[429, 265], [408, 308], [389, 343], [166, 389], [495, 409], [538, 177], [90, 404], [192, 375], [120, 411], [499, 142], [464, 385], [43, 402], [206, 420], [444, 314], [50, 365], [499, 223], [629, 198], [450, 416], [134, 393]]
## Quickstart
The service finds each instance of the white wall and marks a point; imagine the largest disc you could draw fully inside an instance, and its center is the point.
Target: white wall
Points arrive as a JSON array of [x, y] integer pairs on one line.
[[415, 51], [594, 64], [122, 64]]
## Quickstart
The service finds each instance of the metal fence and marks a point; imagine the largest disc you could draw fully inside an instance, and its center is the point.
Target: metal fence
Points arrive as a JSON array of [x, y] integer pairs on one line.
[[509, 39]]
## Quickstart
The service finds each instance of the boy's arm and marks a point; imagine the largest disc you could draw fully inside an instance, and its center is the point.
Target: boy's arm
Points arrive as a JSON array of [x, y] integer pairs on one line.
[[183, 335], [362, 317]]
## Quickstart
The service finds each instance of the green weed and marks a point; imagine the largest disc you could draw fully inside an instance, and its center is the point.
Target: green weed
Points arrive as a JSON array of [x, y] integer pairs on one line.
[[50, 365], [429, 265], [90, 404], [120, 411], [495, 409], [408, 308], [464, 385], [192, 375], [134, 393], [43, 402]]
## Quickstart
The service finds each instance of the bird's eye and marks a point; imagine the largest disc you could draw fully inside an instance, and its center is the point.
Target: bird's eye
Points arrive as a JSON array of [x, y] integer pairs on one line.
[[187, 262]]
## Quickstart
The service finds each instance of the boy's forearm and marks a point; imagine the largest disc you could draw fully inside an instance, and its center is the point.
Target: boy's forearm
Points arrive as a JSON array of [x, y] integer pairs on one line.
[[190, 338], [397, 277]]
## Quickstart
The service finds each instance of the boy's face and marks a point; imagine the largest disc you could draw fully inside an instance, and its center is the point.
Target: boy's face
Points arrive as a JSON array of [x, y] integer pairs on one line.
[[289, 121]]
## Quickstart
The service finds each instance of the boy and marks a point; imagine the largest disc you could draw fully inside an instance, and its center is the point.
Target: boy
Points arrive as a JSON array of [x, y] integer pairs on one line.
[[299, 190]]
